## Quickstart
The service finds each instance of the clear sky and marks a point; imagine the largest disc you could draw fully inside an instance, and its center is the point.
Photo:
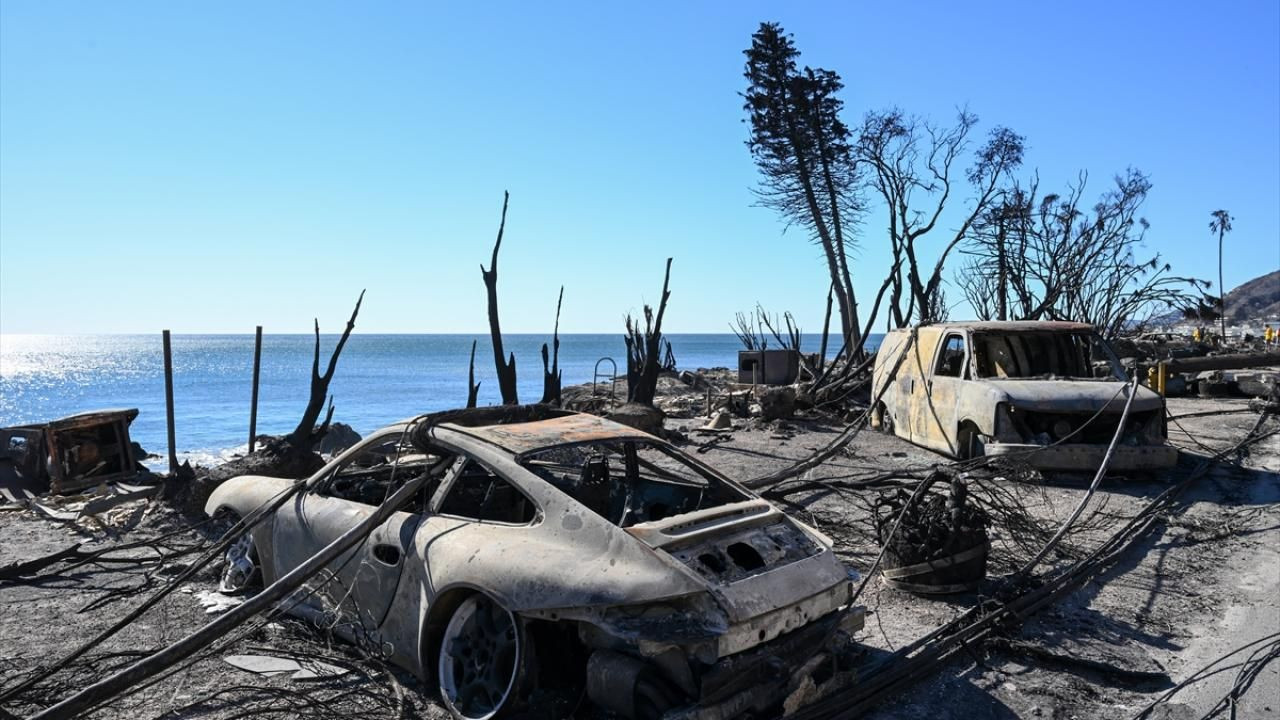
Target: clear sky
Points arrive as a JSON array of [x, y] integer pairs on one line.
[[209, 167]]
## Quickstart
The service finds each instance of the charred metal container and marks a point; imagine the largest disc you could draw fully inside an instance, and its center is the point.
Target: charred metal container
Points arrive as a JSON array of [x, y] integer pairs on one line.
[[68, 454]]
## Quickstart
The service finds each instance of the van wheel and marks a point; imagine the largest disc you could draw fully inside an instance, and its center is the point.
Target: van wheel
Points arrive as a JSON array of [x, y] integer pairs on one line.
[[969, 442], [886, 420]]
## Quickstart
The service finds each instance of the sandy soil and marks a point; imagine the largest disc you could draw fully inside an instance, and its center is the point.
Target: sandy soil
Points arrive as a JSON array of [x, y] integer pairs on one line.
[[1206, 582]]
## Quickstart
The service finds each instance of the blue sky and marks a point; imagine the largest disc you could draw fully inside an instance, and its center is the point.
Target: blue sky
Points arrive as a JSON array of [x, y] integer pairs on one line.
[[208, 168]]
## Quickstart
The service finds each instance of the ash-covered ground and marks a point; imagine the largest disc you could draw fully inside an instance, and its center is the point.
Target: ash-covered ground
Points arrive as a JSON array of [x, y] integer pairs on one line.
[[1205, 582]]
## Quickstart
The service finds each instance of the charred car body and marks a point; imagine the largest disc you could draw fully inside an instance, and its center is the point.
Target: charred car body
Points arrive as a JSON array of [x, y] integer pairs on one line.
[[1050, 393], [561, 555]]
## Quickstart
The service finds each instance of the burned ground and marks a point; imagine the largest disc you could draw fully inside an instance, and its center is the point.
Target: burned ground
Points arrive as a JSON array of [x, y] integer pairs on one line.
[[1203, 583]]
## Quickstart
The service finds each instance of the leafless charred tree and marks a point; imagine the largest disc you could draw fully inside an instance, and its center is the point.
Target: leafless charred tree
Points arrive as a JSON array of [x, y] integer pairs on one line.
[[803, 151], [754, 329], [308, 434], [551, 374], [1221, 224], [646, 349], [473, 387], [1035, 257], [912, 167], [506, 367]]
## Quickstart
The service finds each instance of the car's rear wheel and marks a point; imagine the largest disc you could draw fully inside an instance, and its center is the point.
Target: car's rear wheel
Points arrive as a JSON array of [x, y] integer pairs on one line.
[[481, 660]]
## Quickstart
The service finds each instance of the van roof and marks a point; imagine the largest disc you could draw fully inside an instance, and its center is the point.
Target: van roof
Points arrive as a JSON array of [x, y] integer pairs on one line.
[[1009, 326]]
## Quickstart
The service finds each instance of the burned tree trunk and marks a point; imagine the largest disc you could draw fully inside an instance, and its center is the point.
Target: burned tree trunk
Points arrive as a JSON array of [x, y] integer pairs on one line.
[[506, 368], [308, 434], [551, 373], [473, 387], [645, 349]]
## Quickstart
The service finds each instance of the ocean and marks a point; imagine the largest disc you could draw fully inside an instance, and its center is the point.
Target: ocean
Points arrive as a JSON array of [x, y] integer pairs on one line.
[[380, 378]]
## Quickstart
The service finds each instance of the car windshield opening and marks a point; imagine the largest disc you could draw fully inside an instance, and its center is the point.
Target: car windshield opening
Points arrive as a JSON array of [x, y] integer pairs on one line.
[[631, 482], [371, 476], [1044, 355]]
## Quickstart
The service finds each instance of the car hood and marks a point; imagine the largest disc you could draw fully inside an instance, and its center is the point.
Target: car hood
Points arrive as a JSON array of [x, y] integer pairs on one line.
[[1071, 395]]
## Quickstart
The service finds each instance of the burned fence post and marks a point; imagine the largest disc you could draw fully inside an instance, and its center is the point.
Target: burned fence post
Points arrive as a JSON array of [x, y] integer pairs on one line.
[[253, 403], [168, 403]]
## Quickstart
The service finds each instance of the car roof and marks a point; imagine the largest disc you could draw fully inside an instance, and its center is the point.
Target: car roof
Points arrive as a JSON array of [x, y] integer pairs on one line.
[[523, 438], [1010, 326]]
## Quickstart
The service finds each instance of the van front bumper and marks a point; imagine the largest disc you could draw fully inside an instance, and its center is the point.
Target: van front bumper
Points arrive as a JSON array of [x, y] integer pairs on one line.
[[1086, 457]]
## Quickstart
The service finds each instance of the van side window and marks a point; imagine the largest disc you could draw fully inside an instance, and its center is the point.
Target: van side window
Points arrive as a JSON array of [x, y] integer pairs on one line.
[[951, 359], [479, 494]]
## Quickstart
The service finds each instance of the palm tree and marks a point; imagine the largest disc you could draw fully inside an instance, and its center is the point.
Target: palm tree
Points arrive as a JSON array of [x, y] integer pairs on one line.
[[1221, 224]]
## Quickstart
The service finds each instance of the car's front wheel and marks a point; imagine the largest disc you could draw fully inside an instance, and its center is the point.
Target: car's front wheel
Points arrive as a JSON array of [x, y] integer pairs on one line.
[[241, 573], [481, 661], [969, 442]]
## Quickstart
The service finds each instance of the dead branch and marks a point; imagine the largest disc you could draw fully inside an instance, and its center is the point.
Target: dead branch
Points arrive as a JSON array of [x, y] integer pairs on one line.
[[826, 330], [307, 434], [1037, 652], [506, 367]]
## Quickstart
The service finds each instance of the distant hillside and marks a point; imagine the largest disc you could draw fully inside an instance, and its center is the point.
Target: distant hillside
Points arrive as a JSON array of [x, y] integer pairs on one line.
[[1258, 299]]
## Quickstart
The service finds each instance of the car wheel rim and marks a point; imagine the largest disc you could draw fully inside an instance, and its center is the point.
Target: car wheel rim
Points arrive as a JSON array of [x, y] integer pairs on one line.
[[479, 657]]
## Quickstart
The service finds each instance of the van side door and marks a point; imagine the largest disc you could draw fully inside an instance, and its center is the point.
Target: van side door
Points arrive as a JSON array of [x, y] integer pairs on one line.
[[935, 419]]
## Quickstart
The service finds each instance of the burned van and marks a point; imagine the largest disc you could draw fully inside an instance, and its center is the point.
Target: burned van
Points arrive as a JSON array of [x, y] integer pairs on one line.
[[1049, 393]]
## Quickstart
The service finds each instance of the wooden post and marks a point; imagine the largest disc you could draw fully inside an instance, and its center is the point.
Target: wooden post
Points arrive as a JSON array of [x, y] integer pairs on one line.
[[168, 403], [253, 404]]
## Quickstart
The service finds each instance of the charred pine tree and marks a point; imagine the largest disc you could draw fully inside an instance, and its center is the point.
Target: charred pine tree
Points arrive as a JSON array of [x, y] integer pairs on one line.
[[551, 372], [506, 367], [473, 387], [646, 349], [307, 435]]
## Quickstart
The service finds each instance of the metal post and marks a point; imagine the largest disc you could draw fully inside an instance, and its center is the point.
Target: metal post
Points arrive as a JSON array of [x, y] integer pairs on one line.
[[253, 404], [168, 403], [1162, 372]]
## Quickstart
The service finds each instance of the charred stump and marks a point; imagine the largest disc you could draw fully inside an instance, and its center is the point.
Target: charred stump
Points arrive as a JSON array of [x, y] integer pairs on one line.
[[551, 374], [506, 367], [473, 387], [647, 349], [307, 435]]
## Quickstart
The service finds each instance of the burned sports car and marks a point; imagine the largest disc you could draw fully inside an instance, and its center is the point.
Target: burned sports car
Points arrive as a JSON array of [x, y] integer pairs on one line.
[[1048, 393], [557, 556]]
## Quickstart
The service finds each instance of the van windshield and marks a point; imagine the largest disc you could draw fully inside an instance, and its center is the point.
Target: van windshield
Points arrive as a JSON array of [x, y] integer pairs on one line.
[[1044, 355]]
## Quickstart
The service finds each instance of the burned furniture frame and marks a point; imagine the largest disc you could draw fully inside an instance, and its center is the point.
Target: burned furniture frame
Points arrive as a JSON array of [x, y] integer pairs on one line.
[[70, 453]]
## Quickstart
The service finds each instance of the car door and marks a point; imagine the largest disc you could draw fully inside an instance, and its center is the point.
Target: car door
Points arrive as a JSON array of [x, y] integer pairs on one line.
[[474, 506], [935, 421], [360, 585]]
